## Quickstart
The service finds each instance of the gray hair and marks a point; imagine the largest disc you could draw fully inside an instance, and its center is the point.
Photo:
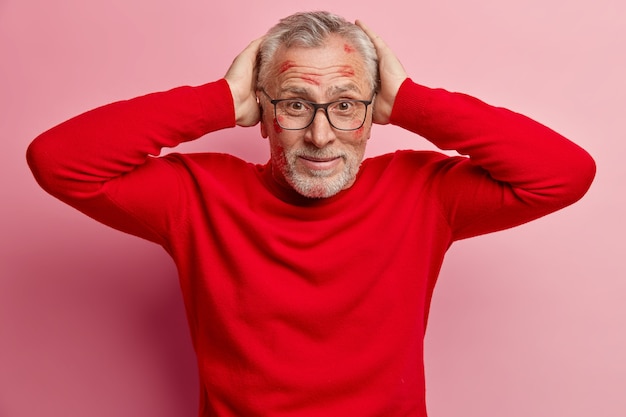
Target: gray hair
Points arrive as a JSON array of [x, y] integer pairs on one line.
[[310, 30]]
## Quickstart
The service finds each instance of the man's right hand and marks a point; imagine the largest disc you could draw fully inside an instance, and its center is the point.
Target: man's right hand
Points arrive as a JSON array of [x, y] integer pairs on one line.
[[392, 75], [241, 77]]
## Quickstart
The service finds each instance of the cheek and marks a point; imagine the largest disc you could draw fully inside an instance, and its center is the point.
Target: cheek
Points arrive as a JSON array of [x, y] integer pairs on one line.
[[360, 135]]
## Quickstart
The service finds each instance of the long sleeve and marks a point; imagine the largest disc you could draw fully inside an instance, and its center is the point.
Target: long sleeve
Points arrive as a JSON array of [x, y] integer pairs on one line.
[[86, 161], [517, 169]]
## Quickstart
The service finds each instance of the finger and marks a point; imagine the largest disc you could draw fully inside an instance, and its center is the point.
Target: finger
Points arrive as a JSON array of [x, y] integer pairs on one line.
[[392, 74], [253, 47], [374, 37], [244, 64], [250, 52]]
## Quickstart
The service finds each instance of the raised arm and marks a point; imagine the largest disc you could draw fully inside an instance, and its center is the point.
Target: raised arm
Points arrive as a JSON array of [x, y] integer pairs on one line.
[[77, 157], [107, 152], [517, 170]]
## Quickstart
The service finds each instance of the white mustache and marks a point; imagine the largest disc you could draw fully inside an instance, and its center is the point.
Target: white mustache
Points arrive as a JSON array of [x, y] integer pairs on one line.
[[318, 154]]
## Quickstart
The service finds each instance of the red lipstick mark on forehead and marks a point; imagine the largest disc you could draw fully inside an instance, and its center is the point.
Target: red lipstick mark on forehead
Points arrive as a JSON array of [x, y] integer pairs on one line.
[[285, 66], [348, 48], [347, 71], [310, 79]]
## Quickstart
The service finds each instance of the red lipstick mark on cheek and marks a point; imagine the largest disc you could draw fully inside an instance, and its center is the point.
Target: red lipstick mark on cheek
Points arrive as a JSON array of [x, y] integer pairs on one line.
[[285, 66], [360, 135], [277, 127]]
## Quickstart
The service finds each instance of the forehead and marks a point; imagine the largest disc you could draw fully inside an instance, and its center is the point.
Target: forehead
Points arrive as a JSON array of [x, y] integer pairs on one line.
[[333, 67]]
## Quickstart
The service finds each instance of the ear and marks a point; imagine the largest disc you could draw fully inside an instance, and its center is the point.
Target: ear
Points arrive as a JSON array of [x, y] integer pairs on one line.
[[263, 124], [261, 121]]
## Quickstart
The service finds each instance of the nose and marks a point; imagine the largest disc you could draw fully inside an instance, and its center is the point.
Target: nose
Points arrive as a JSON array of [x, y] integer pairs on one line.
[[320, 133]]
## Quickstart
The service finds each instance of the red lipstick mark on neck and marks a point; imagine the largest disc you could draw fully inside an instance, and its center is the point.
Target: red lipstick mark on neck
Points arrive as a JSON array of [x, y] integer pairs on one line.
[[348, 48]]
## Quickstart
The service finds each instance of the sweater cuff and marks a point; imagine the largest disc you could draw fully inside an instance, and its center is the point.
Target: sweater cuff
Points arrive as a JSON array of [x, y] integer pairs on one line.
[[409, 103], [217, 104]]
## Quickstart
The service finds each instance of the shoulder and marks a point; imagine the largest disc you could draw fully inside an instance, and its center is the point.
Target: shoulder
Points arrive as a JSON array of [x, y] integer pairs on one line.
[[209, 161], [409, 168], [406, 159], [209, 169]]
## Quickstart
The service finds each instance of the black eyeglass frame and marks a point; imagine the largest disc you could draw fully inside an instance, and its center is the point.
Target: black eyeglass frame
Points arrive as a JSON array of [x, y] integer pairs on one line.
[[316, 107]]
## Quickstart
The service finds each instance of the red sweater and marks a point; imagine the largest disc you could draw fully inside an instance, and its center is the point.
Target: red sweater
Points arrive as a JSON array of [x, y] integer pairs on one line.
[[301, 307]]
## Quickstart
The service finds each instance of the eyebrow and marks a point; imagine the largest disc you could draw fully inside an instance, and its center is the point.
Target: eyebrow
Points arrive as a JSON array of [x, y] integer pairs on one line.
[[300, 91], [331, 91], [338, 89]]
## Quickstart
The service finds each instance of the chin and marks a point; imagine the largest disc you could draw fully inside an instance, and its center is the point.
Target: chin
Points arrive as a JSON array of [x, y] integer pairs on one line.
[[315, 187]]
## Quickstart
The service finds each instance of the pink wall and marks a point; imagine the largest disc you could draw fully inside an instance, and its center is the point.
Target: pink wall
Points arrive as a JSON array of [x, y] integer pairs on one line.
[[527, 322]]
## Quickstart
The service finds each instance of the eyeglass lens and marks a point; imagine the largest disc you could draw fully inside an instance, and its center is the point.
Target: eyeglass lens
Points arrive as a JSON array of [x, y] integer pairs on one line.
[[343, 115]]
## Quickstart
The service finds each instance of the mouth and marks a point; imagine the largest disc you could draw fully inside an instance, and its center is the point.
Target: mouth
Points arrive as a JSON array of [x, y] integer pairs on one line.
[[320, 164]]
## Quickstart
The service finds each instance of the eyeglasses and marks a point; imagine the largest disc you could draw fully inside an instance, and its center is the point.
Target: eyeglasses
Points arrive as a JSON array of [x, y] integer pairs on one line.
[[297, 114]]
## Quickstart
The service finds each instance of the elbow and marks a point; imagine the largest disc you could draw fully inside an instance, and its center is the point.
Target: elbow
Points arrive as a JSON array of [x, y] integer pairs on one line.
[[37, 158], [580, 176], [42, 161], [586, 173]]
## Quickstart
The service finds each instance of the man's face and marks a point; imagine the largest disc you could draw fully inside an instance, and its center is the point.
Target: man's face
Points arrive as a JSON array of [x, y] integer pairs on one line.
[[318, 161]]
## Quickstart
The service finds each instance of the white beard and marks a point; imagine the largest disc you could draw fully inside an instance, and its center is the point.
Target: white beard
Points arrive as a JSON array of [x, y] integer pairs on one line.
[[319, 183]]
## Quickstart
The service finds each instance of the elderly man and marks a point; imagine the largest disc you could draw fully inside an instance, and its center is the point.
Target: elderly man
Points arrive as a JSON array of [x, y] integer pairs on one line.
[[307, 280]]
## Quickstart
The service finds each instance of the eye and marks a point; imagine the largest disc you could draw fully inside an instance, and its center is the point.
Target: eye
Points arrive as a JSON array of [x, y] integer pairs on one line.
[[294, 107], [344, 106]]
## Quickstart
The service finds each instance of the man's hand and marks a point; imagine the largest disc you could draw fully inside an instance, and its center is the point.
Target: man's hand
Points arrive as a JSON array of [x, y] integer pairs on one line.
[[241, 78], [392, 75]]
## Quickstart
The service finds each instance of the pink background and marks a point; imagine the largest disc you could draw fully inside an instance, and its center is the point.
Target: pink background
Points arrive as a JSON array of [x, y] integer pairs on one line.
[[526, 322]]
